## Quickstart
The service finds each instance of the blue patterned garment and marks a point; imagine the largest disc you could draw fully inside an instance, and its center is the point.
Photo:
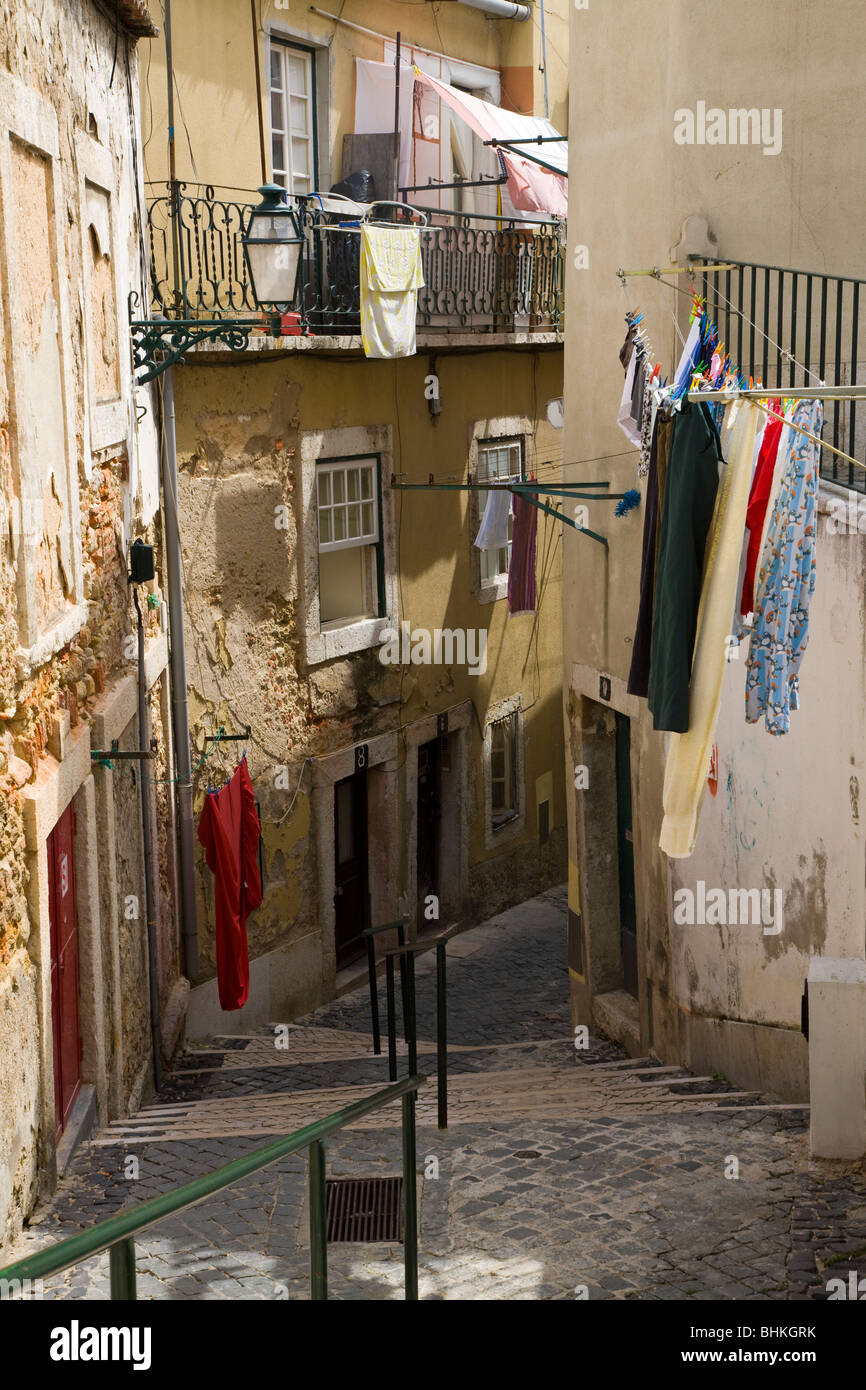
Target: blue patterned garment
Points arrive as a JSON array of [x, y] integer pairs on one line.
[[786, 581]]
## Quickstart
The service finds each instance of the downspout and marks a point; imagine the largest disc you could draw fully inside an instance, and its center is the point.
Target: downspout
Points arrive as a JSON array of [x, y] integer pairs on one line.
[[147, 842], [544, 63], [174, 579], [179, 700], [502, 9]]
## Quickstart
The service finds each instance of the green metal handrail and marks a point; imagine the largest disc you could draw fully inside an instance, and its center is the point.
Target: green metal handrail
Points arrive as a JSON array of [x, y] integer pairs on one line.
[[116, 1235]]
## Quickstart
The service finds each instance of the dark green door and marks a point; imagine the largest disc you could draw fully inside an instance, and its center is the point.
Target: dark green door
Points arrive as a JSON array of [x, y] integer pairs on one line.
[[625, 855]]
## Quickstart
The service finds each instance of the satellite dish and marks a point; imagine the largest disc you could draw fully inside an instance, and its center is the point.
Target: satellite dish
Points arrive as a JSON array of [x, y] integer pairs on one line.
[[556, 413]]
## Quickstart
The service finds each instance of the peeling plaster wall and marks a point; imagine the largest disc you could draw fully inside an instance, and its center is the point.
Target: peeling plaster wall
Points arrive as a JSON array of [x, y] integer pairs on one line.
[[77, 481], [788, 813], [240, 429]]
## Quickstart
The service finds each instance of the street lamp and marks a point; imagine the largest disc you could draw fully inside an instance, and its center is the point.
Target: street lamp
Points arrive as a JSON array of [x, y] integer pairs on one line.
[[273, 246]]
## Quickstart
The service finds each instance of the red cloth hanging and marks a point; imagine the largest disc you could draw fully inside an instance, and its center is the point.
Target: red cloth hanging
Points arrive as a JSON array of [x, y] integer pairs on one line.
[[758, 499], [229, 831]]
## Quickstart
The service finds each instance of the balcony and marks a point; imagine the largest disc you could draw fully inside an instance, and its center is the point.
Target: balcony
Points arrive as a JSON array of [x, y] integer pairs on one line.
[[482, 274]]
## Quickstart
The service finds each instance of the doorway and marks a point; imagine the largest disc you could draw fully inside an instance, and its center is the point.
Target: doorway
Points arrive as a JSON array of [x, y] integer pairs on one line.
[[625, 856], [351, 899], [429, 820], [68, 1048]]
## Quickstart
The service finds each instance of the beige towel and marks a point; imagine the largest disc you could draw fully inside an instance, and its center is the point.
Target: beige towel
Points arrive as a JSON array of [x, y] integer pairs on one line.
[[689, 754]]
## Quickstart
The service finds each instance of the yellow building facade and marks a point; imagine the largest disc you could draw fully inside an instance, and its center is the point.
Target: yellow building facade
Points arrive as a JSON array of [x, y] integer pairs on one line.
[[405, 731]]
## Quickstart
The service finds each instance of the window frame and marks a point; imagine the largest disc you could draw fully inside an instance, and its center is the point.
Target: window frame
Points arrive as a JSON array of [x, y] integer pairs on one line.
[[332, 462], [285, 45], [488, 580], [511, 827], [509, 748]]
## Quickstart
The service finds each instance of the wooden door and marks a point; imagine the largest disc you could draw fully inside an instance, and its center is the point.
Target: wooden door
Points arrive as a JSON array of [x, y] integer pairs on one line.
[[350, 867], [64, 968]]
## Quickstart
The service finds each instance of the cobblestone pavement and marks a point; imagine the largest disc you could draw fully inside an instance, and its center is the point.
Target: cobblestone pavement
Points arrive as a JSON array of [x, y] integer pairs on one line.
[[562, 1174]]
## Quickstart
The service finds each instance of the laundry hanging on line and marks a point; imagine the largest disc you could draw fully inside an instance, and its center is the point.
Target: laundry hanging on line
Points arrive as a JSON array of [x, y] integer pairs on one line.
[[786, 582], [521, 568], [718, 559], [229, 831], [690, 752], [390, 276], [493, 531]]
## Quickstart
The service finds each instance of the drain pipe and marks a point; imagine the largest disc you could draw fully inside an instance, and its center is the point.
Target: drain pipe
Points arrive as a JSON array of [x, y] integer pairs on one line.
[[502, 9], [179, 700], [147, 842]]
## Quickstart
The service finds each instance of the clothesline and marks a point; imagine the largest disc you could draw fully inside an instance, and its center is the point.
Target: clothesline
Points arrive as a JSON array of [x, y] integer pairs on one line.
[[789, 356], [762, 394]]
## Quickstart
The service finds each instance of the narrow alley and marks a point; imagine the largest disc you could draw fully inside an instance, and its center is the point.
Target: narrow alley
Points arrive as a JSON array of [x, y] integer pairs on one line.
[[564, 1173]]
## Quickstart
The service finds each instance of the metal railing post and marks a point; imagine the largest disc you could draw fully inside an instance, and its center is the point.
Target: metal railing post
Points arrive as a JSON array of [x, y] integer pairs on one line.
[[318, 1223], [121, 1267], [374, 995], [392, 1020], [410, 1201], [412, 1033], [401, 941], [441, 1038]]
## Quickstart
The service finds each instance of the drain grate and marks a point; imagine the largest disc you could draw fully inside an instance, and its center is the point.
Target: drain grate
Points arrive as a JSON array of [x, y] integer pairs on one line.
[[365, 1209]]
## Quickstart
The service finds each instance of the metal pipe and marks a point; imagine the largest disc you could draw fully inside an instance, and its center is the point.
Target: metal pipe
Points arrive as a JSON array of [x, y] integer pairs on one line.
[[264, 157], [410, 1201], [179, 700], [147, 843], [121, 1267], [179, 285], [374, 995], [441, 1036], [392, 1017], [502, 9], [544, 61], [318, 1223], [397, 118]]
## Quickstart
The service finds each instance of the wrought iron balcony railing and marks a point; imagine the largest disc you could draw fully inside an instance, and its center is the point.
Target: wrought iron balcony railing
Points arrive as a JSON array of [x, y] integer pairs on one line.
[[793, 328], [481, 273]]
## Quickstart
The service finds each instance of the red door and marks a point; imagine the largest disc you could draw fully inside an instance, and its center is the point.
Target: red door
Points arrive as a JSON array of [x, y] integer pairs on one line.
[[64, 968]]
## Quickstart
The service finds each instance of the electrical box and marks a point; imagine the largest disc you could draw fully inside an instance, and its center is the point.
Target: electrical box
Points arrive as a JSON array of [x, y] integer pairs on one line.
[[141, 568]]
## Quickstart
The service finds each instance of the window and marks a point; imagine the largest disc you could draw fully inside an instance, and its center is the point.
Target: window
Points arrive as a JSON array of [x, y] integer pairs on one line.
[[350, 543], [503, 770], [293, 118], [501, 459]]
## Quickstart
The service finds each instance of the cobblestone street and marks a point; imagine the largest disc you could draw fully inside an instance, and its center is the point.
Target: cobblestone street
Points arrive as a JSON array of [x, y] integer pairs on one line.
[[562, 1175]]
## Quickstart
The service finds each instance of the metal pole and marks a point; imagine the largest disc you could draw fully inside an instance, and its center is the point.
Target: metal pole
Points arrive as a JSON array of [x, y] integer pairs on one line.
[[121, 1267], [392, 1020], [374, 995], [179, 701], [544, 61], [147, 843], [410, 1205], [174, 192], [397, 119], [413, 1027], [404, 996], [441, 1037], [259, 92], [318, 1223]]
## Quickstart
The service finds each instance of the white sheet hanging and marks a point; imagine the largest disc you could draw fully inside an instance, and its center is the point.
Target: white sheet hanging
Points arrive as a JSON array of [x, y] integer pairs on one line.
[[374, 105]]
